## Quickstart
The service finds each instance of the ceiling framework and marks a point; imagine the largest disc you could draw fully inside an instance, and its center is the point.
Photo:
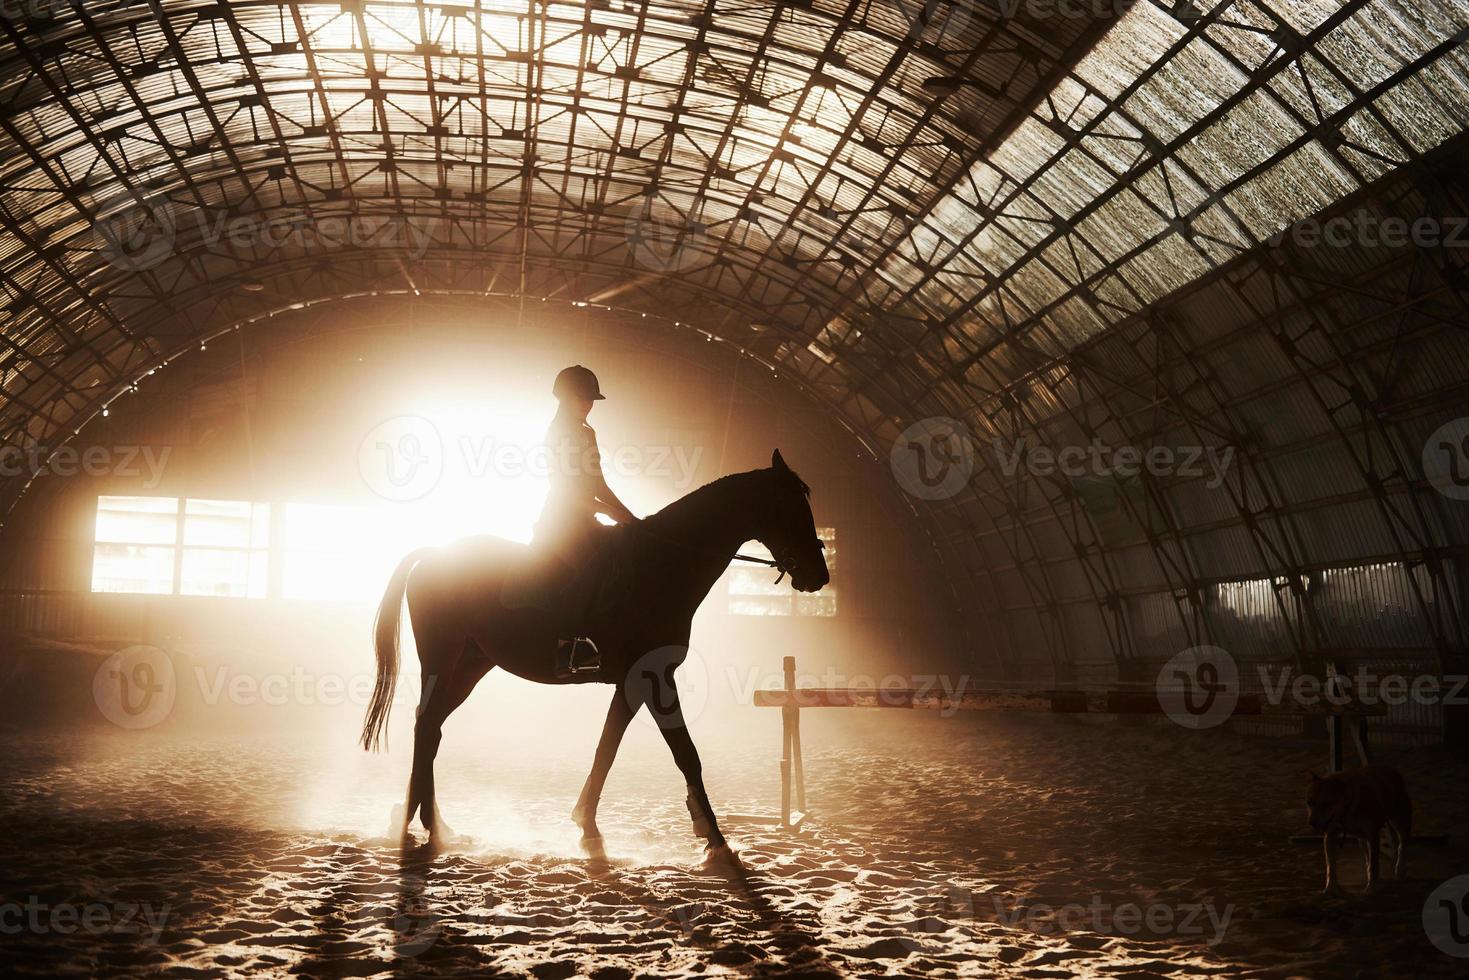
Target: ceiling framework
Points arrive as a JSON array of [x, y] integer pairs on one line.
[[1055, 229]]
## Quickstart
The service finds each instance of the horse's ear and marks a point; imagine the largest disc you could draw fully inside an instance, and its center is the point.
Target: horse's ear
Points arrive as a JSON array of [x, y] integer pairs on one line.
[[778, 463]]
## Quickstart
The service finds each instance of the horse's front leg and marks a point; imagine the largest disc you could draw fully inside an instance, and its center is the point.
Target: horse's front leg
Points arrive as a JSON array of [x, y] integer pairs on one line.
[[667, 711], [620, 714]]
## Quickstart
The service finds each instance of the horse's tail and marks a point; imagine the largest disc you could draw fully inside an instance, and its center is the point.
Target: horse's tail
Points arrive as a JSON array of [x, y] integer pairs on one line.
[[385, 633]]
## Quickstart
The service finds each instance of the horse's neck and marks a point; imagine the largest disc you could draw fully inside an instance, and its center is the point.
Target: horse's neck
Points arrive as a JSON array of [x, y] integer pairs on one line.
[[707, 527]]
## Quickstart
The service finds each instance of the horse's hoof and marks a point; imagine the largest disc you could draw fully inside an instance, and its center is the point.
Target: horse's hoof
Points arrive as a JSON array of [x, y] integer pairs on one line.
[[722, 858], [594, 847]]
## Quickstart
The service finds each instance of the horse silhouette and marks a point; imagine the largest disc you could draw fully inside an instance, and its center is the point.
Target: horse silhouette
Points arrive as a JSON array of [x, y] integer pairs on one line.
[[671, 560]]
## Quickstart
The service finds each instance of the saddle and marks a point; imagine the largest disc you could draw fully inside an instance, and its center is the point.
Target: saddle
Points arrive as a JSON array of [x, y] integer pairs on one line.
[[600, 578]]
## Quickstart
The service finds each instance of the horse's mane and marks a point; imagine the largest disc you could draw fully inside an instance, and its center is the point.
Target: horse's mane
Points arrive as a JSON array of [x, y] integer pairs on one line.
[[687, 506]]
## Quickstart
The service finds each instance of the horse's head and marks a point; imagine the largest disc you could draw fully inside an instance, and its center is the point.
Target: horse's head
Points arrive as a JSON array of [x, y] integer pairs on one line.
[[790, 530]]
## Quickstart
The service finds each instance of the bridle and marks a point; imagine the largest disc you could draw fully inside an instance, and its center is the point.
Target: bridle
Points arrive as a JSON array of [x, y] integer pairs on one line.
[[785, 563]]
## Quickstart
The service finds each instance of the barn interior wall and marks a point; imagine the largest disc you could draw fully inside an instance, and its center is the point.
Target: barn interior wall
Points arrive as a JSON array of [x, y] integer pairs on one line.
[[281, 423]]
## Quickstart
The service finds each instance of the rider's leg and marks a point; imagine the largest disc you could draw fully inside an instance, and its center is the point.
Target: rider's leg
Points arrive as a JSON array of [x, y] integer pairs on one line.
[[580, 596]]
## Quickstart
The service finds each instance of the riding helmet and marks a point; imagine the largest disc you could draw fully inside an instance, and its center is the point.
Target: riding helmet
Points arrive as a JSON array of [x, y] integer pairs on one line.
[[577, 382]]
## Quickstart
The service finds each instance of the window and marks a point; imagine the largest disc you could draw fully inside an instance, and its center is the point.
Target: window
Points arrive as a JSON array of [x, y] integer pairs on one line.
[[226, 549], [336, 552], [753, 592], [134, 549], [147, 545]]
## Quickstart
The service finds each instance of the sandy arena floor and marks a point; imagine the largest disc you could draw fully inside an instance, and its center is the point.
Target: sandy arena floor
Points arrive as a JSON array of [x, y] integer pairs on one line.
[[970, 846]]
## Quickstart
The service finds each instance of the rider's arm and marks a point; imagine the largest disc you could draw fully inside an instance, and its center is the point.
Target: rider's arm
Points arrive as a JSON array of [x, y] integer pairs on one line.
[[616, 509], [602, 493]]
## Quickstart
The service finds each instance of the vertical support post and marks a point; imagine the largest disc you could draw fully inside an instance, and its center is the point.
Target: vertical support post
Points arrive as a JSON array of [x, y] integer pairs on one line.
[[785, 767], [1336, 722], [1334, 740], [788, 739], [1359, 735], [798, 769]]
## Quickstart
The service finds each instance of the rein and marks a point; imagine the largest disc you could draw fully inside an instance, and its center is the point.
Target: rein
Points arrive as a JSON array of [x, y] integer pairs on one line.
[[783, 567]]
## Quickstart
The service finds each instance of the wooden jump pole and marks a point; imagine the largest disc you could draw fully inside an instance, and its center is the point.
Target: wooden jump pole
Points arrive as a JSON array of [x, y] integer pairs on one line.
[[1344, 717], [792, 772]]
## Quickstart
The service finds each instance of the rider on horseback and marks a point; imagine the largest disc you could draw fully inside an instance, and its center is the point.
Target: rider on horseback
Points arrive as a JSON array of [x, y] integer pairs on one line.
[[568, 528]]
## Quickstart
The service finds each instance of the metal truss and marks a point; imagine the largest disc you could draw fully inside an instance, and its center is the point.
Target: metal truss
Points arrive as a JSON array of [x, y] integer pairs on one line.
[[1055, 229]]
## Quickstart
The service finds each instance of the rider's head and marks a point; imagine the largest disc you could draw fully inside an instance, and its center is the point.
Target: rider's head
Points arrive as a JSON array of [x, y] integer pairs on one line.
[[576, 388]]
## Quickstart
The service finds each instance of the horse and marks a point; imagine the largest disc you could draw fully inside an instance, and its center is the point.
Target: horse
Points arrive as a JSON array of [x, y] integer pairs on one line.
[[463, 628]]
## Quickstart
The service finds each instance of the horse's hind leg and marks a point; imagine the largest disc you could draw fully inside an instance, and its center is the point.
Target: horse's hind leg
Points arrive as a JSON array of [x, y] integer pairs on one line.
[[449, 674]]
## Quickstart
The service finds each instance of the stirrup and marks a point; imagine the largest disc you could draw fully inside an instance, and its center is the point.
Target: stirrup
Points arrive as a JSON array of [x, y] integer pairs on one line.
[[578, 655]]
